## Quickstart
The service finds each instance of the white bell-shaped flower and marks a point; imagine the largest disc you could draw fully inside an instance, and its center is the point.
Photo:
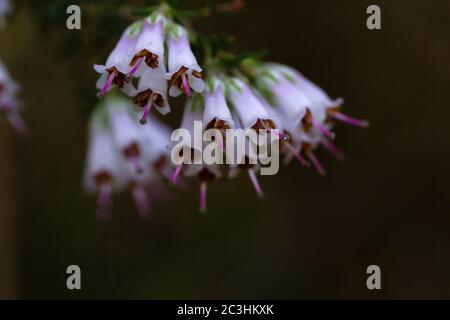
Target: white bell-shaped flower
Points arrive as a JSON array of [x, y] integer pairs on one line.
[[217, 115], [151, 91], [249, 109], [125, 130], [184, 73], [102, 172], [116, 68], [149, 45]]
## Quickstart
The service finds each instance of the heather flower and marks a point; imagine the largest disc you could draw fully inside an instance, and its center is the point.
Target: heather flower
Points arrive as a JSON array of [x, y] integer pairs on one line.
[[125, 130], [151, 91], [117, 65], [252, 170], [188, 154], [249, 109], [188, 151], [206, 174], [115, 142], [217, 115], [279, 82], [184, 74], [253, 115], [136, 183], [102, 173], [156, 147], [107, 170], [296, 108], [287, 145], [290, 102], [248, 162], [149, 45], [324, 108], [302, 139]]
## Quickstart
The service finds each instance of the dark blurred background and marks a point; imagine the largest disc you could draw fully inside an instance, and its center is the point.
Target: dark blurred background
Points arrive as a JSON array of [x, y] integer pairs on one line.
[[311, 237]]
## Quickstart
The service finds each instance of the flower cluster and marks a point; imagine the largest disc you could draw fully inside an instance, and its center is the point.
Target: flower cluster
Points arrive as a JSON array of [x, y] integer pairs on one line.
[[9, 104], [302, 111], [140, 53], [124, 155], [152, 60]]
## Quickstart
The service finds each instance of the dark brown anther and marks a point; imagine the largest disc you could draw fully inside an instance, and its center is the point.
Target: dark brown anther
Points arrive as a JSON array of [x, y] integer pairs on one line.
[[158, 100], [119, 77], [197, 74], [133, 184], [160, 163], [217, 124], [263, 125], [307, 121], [306, 147], [330, 113], [151, 59], [103, 177], [132, 151], [141, 99], [176, 78]]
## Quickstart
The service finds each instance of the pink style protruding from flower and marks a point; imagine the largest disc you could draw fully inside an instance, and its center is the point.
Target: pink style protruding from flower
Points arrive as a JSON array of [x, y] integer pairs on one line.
[[203, 196], [327, 133], [186, 88], [255, 182], [265, 98], [116, 68], [285, 140], [102, 168], [149, 46], [104, 202], [123, 155], [147, 108], [187, 152], [141, 200], [151, 92], [314, 160], [17, 123], [134, 69], [184, 73], [350, 120], [205, 175], [331, 148], [107, 85], [176, 173]]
